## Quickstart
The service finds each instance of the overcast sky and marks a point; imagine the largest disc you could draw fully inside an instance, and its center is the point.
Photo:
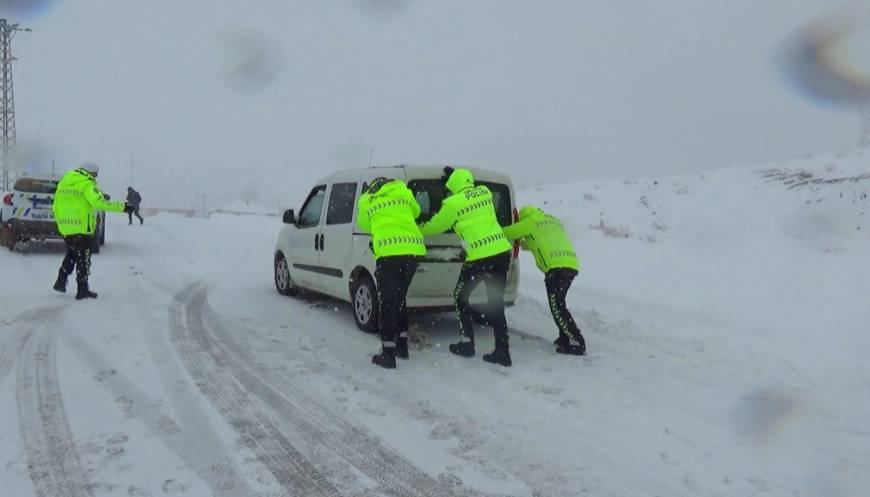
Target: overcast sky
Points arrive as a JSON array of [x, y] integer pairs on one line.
[[263, 96]]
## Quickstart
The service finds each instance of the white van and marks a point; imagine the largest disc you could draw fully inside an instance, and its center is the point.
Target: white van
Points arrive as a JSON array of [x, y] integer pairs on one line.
[[322, 249]]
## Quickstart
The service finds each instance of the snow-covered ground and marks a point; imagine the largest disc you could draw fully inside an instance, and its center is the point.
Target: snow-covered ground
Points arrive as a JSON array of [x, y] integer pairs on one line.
[[725, 313]]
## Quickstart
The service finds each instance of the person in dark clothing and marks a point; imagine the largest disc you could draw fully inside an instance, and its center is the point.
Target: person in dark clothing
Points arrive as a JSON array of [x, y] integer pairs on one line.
[[133, 200]]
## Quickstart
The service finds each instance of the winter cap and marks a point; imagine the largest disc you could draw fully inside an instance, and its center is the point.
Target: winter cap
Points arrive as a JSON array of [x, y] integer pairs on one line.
[[377, 183], [91, 167], [459, 180]]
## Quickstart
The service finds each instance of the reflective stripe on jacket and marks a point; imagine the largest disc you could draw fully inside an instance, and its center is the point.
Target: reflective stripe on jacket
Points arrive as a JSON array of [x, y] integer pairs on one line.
[[76, 199], [471, 213], [390, 216], [545, 237]]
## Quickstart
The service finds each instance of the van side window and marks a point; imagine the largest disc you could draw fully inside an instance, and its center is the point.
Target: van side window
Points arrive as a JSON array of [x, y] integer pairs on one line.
[[309, 216], [340, 209]]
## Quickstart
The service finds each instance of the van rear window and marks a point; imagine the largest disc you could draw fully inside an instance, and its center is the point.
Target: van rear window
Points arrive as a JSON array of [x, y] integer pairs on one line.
[[430, 193], [32, 185]]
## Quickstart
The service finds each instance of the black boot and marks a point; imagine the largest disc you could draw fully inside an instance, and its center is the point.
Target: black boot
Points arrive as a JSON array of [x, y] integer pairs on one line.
[[564, 346], [402, 346], [386, 359], [499, 356], [60, 284], [85, 293], [464, 349]]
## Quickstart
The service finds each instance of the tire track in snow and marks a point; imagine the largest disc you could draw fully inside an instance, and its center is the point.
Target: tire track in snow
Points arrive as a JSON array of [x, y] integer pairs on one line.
[[11, 347], [197, 446], [213, 374], [22, 325], [317, 424], [52, 458]]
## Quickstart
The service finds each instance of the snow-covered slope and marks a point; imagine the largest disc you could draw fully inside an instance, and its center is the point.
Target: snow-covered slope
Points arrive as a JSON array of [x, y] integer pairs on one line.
[[725, 315]]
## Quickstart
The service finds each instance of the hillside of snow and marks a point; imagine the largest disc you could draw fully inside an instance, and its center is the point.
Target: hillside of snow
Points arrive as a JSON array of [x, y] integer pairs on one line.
[[725, 315]]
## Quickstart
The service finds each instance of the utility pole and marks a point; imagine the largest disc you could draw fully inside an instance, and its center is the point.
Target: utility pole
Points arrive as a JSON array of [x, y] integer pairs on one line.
[[7, 97], [864, 140]]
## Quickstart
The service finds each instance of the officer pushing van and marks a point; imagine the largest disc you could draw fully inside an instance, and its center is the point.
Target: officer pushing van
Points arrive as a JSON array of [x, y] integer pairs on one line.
[[471, 214], [544, 236], [388, 210]]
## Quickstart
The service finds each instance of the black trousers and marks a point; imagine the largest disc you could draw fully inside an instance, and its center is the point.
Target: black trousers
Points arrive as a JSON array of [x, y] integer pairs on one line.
[[134, 210], [492, 271], [394, 275], [558, 282], [78, 257]]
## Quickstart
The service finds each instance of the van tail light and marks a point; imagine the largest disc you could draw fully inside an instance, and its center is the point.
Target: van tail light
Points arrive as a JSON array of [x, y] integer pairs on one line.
[[7, 200], [516, 242]]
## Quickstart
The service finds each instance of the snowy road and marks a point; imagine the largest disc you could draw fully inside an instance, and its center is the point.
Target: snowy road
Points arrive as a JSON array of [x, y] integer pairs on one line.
[[191, 376]]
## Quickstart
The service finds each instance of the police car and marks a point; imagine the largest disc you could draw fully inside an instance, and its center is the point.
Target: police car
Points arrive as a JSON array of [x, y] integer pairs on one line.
[[26, 213]]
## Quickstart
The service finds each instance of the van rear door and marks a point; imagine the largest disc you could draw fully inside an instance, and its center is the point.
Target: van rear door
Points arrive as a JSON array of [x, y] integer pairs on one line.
[[445, 254]]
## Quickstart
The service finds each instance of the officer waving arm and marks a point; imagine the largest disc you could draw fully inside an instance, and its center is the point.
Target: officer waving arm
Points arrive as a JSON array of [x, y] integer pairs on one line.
[[97, 200]]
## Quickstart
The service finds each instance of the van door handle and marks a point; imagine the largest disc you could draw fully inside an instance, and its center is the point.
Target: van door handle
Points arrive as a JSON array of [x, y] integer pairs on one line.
[[321, 241], [316, 242]]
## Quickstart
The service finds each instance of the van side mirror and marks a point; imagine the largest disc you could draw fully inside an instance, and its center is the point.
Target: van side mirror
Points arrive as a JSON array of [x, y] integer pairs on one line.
[[289, 217]]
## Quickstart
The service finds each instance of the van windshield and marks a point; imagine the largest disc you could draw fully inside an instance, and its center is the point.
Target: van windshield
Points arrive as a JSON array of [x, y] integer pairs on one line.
[[33, 185], [431, 192]]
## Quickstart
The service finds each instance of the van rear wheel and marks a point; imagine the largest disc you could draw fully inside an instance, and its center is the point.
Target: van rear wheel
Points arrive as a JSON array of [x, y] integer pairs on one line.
[[365, 304]]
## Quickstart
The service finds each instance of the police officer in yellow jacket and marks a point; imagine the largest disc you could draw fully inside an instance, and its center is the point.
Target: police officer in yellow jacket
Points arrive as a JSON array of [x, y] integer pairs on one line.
[[388, 210], [76, 199], [471, 214], [544, 236]]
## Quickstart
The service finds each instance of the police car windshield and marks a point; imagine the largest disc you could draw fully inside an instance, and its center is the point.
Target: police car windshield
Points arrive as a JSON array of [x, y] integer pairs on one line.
[[431, 192], [34, 185]]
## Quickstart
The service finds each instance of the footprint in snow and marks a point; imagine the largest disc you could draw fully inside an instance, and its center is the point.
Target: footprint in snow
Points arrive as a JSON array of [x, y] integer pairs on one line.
[[103, 375]]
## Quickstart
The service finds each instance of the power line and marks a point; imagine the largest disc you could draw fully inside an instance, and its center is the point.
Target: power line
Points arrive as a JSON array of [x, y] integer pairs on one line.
[[7, 97]]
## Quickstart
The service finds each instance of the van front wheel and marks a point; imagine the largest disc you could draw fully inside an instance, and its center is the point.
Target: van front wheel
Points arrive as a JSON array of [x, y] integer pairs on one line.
[[283, 283], [365, 304]]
